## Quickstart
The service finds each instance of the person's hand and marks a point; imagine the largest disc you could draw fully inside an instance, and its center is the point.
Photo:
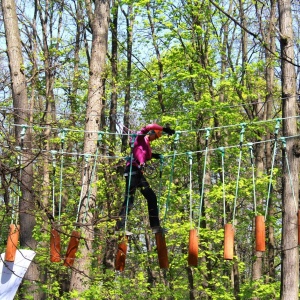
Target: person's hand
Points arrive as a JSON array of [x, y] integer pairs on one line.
[[168, 130], [142, 167]]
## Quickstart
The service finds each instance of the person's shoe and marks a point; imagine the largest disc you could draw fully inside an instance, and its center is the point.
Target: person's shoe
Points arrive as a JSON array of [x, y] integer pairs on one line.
[[158, 229]]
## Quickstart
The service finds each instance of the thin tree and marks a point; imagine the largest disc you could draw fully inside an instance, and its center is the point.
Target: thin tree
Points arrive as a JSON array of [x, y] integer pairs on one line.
[[21, 117]]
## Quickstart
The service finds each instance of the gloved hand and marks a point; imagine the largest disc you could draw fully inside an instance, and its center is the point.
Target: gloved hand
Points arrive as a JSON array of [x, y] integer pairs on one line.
[[168, 130], [142, 167]]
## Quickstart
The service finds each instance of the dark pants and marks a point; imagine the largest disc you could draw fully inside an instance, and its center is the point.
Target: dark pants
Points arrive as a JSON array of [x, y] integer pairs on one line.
[[137, 180]]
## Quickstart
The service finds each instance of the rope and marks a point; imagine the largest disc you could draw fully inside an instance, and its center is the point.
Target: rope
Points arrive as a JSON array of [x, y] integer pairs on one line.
[[53, 152], [14, 214], [203, 176], [161, 161], [250, 145], [176, 140], [272, 166], [92, 175], [191, 197], [133, 137], [289, 171], [62, 142], [239, 170], [223, 183], [86, 158]]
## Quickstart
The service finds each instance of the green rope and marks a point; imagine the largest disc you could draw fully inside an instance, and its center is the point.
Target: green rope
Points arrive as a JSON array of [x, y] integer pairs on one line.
[[239, 170], [86, 158], [189, 154], [176, 140], [250, 145], [203, 176], [161, 164], [133, 137], [272, 166], [289, 171], [62, 142], [223, 183], [19, 162], [53, 153], [100, 134]]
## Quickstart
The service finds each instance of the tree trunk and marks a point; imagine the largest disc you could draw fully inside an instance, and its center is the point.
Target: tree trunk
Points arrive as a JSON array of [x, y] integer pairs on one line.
[[99, 20], [290, 255], [21, 116]]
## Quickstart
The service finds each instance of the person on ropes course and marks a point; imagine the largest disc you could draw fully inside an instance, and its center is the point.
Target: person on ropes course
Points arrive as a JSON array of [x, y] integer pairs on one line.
[[141, 153]]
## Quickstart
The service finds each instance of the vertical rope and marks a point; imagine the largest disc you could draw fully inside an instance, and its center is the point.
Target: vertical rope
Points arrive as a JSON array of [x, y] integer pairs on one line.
[[62, 142], [133, 137], [203, 176], [53, 153], [223, 183], [161, 164], [92, 175], [190, 193], [272, 166], [19, 162], [176, 140], [289, 171], [250, 145], [239, 170], [86, 158]]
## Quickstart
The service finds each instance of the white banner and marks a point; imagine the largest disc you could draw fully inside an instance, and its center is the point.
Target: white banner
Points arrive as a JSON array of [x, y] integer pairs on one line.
[[11, 273]]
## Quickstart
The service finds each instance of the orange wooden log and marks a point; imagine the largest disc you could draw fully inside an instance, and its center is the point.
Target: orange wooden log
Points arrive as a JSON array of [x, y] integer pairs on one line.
[[72, 249], [162, 250], [193, 248], [298, 227], [260, 233], [228, 241], [121, 255], [12, 242], [54, 245]]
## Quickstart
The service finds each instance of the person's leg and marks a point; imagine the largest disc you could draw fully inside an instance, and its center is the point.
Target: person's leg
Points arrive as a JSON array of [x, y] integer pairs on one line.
[[149, 194]]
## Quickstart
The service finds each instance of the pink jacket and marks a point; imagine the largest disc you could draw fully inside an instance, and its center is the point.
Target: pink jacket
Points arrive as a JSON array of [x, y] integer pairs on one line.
[[141, 149]]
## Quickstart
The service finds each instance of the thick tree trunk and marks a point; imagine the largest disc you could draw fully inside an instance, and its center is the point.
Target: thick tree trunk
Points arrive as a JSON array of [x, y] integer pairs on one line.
[[21, 116], [290, 252], [99, 20]]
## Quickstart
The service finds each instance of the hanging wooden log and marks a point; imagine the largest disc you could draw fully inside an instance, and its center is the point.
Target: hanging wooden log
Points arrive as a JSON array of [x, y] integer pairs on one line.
[[12, 242], [193, 248], [298, 227], [121, 254], [260, 233], [54, 245], [228, 241], [72, 249], [162, 250]]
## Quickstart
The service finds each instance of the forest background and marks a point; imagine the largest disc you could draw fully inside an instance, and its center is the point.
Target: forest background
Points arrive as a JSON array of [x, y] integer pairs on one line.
[[79, 77]]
